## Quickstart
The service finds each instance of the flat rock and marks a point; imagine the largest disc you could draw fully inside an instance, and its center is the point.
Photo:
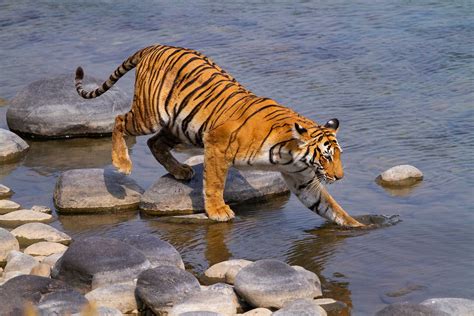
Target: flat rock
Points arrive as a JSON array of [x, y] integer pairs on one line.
[[12, 147], [270, 283], [218, 272], [20, 217], [169, 196], [7, 206], [5, 192], [95, 190], [451, 306], [31, 233], [45, 248], [302, 307], [120, 296], [401, 175], [50, 297], [41, 209], [51, 108], [18, 263], [409, 309], [158, 289], [92, 262], [8, 243]]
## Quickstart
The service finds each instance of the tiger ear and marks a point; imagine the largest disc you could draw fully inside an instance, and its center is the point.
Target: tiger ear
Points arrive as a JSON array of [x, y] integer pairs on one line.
[[332, 124], [300, 133]]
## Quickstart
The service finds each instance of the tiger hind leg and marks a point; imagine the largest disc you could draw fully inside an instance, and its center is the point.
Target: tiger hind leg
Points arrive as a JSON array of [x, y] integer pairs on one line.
[[120, 158], [161, 145]]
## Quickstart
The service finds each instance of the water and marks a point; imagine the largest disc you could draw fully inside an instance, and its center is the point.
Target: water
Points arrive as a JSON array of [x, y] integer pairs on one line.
[[397, 74]]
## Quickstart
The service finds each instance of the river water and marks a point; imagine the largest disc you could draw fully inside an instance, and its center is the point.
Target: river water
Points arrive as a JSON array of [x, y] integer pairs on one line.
[[397, 74]]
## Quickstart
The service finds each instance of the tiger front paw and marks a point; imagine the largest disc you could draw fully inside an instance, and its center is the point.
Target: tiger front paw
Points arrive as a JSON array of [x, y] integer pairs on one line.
[[123, 164], [184, 172], [220, 214]]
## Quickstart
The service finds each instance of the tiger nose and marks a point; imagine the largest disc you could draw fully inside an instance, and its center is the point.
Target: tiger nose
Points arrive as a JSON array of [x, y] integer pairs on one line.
[[338, 177]]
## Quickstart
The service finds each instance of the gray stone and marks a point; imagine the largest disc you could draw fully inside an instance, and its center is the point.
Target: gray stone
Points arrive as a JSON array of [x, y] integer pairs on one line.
[[20, 217], [50, 297], [45, 248], [95, 190], [41, 209], [5, 192], [120, 296], [270, 283], [52, 259], [201, 313], [31, 233], [18, 263], [301, 307], [401, 175], [169, 196], [51, 108], [258, 312], [12, 147], [100, 311], [311, 277], [157, 251], [218, 272], [452, 306], [96, 261], [408, 309], [158, 289], [7, 206], [8, 243]]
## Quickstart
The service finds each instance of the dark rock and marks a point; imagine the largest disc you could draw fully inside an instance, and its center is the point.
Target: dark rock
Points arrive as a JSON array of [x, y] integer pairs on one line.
[[408, 309]]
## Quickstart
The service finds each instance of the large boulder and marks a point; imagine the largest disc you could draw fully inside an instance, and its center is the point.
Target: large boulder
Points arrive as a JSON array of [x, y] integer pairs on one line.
[[8, 243], [399, 176], [50, 297], [158, 289], [51, 108], [270, 283], [20, 217], [97, 261], [95, 190], [450, 305], [31, 233], [12, 147], [169, 196]]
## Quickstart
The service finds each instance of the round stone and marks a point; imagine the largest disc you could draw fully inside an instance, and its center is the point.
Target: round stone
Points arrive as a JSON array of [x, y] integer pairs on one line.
[[92, 262], [8, 243], [225, 271], [258, 312], [51, 108], [158, 289], [451, 305], [7, 206], [45, 248], [270, 283], [20, 217], [12, 147], [18, 263], [402, 175], [31, 233], [301, 306], [5, 192], [407, 309], [95, 190], [120, 296]]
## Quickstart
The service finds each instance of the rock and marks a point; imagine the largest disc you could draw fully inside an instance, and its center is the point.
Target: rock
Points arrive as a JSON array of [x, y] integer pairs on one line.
[[31, 233], [120, 296], [408, 309], [303, 307], [50, 297], [270, 283], [51, 108], [201, 313], [200, 218], [8, 243], [12, 147], [451, 306], [52, 259], [7, 206], [219, 271], [158, 289], [20, 217], [332, 307], [402, 175], [41, 209], [5, 192], [157, 251], [100, 311], [45, 248], [112, 191], [311, 277], [258, 312], [18, 263], [205, 301], [169, 196], [97, 261], [41, 269]]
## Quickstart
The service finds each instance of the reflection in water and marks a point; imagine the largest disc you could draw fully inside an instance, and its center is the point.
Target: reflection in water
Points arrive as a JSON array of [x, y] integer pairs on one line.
[[79, 225], [401, 190]]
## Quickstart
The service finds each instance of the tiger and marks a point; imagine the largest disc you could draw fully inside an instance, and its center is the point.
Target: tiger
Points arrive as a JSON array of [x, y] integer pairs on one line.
[[183, 97]]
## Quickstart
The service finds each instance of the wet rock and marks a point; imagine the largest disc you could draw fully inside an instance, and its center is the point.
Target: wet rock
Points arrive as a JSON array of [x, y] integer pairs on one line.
[[8, 243], [96, 261], [7, 206], [311, 277], [402, 175], [51, 108], [158, 289], [45, 248], [270, 283], [157, 251], [258, 312], [112, 191], [20, 217], [332, 306], [169, 196], [41, 269], [18, 263], [12, 147], [41, 209], [225, 271], [408, 309], [52, 259], [120, 296], [451, 306], [200, 218], [31, 233], [304, 307], [5, 192], [50, 297]]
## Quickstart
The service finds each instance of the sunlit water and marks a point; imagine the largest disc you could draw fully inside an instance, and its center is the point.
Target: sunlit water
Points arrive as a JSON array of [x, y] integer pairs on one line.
[[397, 74]]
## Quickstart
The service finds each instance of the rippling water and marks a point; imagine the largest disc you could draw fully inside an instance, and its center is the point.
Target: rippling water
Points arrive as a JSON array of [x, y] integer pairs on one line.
[[397, 74]]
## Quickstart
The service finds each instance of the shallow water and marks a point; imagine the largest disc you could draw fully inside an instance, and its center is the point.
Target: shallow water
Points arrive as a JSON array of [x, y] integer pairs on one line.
[[397, 74]]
